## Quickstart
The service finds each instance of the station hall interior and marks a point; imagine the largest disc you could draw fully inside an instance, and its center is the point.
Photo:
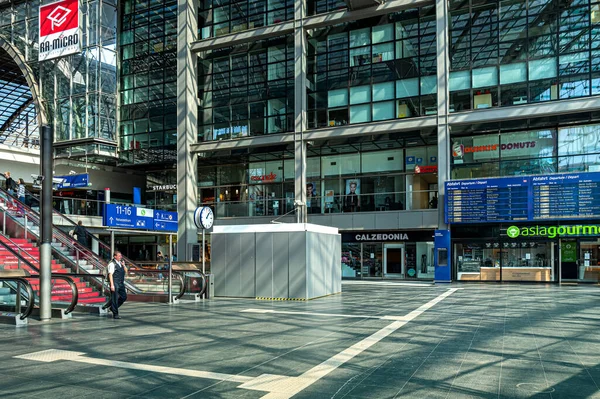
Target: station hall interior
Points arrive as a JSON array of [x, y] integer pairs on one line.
[[312, 198]]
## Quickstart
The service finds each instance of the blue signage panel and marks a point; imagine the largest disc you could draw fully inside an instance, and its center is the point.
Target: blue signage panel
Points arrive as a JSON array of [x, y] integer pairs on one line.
[[123, 216], [442, 256], [132, 217], [165, 221], [527, 198], [73, 181]]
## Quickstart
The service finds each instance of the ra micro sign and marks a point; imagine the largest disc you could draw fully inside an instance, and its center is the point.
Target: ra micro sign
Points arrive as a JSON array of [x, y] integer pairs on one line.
[[59, 29]]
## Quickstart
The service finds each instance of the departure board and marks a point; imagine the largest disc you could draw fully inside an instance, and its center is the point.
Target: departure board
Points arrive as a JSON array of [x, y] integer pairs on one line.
[[526, 198]]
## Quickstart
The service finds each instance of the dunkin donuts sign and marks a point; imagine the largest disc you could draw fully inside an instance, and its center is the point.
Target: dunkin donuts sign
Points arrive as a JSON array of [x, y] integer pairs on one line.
[[59, 30]]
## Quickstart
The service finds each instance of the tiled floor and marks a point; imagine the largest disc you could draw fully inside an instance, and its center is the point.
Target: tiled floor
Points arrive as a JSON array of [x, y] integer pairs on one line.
[[479, 341]]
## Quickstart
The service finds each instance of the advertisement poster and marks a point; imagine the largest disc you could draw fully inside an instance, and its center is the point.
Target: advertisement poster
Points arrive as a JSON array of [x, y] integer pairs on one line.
[[59, 33]]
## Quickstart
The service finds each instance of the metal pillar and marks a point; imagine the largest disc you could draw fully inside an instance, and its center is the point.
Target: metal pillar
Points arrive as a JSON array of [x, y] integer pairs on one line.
[[187, 126], [443, 130], [170, 268], [46, 223], [300, 104]]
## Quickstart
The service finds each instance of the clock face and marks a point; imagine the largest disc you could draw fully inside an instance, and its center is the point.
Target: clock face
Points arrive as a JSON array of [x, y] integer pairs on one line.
[[206, 217]]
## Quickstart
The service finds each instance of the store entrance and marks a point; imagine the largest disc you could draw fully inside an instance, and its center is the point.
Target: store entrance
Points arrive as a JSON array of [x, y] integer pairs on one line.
[[393, 260]]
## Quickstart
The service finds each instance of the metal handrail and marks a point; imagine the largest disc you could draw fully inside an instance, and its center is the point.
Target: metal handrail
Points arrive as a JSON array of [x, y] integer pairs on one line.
[[55, 276], [68, 221], [72, 285], [29, 288], [204, 284]]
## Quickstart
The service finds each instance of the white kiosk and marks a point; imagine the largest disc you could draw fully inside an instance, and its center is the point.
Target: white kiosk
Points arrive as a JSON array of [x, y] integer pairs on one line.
[[282, 261]]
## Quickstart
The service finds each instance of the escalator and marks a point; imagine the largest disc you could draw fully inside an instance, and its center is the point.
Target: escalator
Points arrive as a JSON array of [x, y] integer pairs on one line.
[[20, 281], [19, 221]]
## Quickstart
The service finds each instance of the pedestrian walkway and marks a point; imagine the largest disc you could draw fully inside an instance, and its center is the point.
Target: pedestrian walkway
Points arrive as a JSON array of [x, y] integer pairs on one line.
[[371, 341]]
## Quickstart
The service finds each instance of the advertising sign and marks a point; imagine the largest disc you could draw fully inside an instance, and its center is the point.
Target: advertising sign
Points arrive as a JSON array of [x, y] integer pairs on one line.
[[73, 181], [59, 33]]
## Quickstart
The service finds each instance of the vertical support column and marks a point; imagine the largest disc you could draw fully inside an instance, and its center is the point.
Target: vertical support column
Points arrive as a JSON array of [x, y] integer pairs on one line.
[[443, 130], [46, 223], [300, 104], [187, 125]]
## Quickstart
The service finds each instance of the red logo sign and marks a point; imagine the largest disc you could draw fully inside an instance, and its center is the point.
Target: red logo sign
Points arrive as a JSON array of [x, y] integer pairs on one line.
[[426, 169], [270, 177], [59, 17]]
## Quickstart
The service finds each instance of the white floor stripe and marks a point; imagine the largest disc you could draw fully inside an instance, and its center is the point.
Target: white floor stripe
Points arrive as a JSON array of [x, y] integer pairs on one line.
[[52, 355], [278, 386], [285, 387], [349, 316]]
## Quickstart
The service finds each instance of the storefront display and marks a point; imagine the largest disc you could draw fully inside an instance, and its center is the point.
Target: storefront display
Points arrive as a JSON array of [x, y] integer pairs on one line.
[[388, 254]]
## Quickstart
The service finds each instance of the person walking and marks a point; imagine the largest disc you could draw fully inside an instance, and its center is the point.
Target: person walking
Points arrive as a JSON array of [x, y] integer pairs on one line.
[[81, 234], [116, 277]]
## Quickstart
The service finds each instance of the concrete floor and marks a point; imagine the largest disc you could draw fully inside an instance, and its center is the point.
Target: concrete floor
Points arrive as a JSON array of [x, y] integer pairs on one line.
[[378, 340]]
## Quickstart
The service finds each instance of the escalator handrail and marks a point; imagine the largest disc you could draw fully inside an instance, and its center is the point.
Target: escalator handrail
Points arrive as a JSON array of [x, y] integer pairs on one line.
[[29, 288], [186, 277], [72, 285], [57, 276]]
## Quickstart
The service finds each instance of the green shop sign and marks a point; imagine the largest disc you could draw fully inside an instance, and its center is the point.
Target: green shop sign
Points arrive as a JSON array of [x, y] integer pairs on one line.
[[553, 231]]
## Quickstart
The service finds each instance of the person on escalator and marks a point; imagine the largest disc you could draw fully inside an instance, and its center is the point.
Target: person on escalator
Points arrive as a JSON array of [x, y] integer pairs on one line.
[[116, 277], [10, 184], [21, 197], [81, 234]]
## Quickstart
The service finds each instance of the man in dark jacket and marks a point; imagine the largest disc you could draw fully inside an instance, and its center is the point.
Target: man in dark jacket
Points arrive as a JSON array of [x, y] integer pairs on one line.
[[81, 234]]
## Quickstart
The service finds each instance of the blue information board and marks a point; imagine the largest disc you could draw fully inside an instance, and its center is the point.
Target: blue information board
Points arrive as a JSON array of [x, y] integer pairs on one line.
[[526, 198], [120, 216], [165, 221], [73, 181], [132, 217]]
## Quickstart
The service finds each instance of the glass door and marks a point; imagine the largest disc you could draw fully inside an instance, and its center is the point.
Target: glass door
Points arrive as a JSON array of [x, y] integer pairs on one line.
[[588, 263], [393, 260]]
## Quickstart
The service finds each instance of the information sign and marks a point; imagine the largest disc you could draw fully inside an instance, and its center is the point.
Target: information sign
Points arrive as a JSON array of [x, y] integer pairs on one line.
[[132, 217], [527, 198]]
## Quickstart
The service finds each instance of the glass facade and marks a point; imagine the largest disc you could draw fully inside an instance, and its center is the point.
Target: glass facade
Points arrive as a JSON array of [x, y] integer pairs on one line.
[[148, 81], [506, 53], [373, 69], [79, 90], [343, 181], [221, 17], [560, 149], [247, 90]]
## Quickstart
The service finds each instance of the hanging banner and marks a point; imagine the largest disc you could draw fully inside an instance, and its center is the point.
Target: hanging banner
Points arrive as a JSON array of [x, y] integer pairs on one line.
[[59, 30]]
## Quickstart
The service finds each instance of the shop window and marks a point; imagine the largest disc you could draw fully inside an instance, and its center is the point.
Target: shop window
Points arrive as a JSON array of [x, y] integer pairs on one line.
[[407, 87], [338, 117], [382, 33], [542, 69], [360, 94], [459, 80], [383, 91], [360, 113], [360, 37], [483, 77], [383, 111]]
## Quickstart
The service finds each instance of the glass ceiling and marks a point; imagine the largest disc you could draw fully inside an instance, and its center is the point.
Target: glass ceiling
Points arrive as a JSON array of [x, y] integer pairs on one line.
[[18, 117]]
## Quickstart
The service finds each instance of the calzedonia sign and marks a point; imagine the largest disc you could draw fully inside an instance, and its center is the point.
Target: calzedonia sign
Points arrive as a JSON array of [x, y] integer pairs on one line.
[[59, 30], [553, 231]]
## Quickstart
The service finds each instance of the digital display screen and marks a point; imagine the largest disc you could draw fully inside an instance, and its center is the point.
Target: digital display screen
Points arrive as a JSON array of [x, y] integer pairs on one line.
[[526, 198]]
